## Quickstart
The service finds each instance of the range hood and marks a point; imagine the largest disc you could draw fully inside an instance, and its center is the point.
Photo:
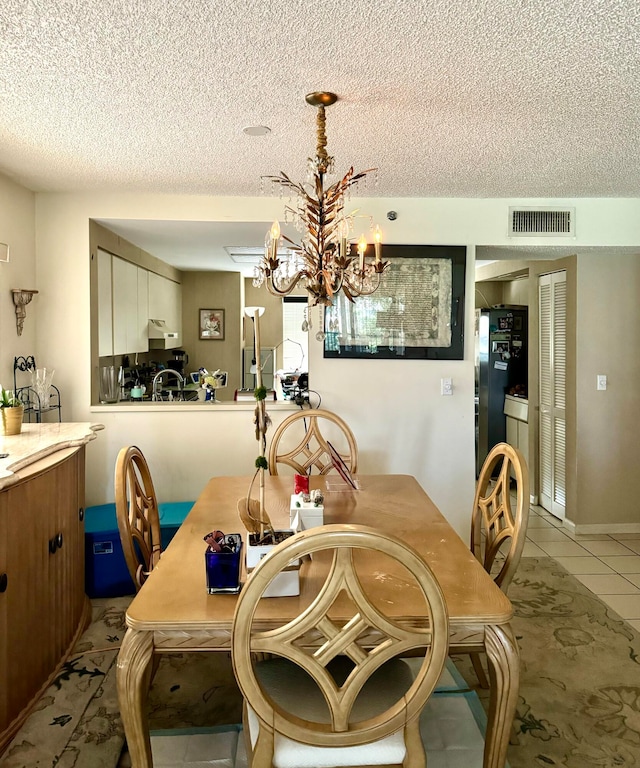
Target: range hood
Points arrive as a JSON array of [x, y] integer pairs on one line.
[[161, 337]]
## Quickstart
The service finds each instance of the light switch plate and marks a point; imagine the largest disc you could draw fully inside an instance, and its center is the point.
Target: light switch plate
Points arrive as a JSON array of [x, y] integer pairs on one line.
[[601, 381], [446, 386]]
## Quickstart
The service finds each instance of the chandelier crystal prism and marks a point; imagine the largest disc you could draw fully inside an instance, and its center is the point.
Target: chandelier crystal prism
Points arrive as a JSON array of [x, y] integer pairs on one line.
[[322, 262]]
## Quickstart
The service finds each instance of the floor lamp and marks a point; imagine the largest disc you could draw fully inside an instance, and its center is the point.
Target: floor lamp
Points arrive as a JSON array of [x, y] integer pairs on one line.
[[254, 313]]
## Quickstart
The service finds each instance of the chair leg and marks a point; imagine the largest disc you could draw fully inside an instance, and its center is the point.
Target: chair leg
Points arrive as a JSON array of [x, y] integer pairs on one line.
[[155, 663], [415, 756], [479, 670]]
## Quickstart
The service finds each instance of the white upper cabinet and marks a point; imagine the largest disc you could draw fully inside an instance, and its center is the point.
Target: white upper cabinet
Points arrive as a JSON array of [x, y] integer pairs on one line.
[[125, 305], [165, 303], [105, 309], [130, 307], [142, 325], [128, 296]]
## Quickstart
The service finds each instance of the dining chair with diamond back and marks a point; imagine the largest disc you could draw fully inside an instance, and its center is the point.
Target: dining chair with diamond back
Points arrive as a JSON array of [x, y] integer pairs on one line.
[[333, 691], [499, 525], [137, 514], [312, 449]]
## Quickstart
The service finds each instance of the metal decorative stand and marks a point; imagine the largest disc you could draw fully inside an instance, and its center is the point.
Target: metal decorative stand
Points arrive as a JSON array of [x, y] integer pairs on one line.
[[34, 406]]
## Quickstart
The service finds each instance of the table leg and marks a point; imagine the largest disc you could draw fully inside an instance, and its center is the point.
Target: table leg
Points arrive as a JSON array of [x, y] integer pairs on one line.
[[504, 675], [133, 675]]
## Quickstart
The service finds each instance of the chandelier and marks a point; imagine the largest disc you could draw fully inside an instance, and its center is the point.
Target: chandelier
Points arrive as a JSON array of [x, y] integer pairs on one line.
[[323, 262]]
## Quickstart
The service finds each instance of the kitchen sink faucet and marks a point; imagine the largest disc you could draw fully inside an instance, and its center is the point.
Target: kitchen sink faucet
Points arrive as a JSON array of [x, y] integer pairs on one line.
[[155, 395]]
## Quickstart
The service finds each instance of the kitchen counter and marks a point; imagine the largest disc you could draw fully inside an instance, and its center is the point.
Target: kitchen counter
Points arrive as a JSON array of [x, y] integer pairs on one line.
[[516, 407], [37, 441], [516, 410], [132, 406]]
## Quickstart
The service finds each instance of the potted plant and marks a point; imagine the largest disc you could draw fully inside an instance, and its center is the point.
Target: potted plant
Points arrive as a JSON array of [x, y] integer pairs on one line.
[[12, 412]]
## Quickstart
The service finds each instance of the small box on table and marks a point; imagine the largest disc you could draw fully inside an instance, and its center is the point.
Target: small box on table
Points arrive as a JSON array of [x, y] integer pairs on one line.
[[305, 514], [287, 582]]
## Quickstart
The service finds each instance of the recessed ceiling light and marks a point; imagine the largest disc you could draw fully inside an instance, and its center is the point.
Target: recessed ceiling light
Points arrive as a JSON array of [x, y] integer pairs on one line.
[[256, 130]]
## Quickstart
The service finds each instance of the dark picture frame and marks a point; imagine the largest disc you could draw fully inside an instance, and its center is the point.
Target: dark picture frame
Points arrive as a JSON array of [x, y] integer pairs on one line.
[[417, 313], [211, 324]]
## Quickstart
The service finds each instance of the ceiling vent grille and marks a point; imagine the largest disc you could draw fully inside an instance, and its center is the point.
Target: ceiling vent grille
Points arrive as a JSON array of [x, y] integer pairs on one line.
[[245, 255], [542, 222], [251, 254]]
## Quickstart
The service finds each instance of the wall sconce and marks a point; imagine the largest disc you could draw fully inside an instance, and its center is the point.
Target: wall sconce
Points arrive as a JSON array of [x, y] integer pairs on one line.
[[21, 298]]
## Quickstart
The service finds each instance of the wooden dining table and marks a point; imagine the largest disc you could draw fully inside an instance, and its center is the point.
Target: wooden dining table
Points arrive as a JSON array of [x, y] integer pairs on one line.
[[173, 613]]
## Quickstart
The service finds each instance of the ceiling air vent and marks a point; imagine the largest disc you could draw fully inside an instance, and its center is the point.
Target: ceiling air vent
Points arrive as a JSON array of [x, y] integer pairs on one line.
[[542, 222]]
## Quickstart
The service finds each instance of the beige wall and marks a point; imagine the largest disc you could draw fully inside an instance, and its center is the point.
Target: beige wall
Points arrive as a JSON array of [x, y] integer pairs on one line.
[[489, 293], [17, 229], [214, 290], [401, 422], [608, 340]]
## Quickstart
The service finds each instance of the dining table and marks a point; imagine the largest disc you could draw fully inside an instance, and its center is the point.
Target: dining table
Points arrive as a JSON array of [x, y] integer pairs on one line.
[[173, 612]]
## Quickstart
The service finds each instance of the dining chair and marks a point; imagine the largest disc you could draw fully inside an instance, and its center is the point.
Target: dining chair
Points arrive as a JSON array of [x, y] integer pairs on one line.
[[499, 520], [312, 449], [333, 690], [137, 514]]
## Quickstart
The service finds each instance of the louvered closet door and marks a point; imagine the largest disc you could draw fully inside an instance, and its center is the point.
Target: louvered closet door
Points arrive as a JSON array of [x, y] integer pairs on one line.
[[552, 297]]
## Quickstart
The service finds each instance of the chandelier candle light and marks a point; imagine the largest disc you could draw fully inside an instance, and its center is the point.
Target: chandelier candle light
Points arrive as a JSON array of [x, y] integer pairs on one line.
[[322, 262]]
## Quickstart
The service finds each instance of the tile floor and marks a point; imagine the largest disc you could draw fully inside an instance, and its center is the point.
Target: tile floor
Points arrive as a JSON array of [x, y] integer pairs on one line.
[[609, 565]]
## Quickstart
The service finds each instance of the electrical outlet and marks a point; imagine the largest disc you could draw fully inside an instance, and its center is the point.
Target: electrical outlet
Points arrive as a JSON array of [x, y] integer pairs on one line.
[[446, 386], [601, 381]]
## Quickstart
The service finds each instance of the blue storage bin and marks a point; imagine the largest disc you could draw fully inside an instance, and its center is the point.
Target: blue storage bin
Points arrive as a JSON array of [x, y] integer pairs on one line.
[[106, 573]]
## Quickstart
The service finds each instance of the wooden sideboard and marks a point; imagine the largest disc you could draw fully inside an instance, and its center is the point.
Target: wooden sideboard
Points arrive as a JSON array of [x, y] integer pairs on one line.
[[43, 606]]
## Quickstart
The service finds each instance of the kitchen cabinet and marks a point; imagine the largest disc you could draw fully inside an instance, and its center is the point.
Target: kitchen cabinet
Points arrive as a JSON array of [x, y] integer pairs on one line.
[[130, 307], [43, 606], [105, 304], [142, 322], [128, 296], [123, 306], [516, 410], [165, 303]]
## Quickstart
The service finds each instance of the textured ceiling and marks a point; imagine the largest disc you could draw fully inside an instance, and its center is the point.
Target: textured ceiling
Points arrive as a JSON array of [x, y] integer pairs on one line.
[[448, 98]]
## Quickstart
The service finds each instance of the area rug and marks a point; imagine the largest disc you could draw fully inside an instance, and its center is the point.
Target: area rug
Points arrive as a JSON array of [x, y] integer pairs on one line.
[[452, 726], [76, 723], [579, 702], [578, 706]]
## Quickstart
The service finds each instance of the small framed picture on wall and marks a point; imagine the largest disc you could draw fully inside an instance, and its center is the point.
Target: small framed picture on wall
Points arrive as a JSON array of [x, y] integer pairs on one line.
[[211, 324]]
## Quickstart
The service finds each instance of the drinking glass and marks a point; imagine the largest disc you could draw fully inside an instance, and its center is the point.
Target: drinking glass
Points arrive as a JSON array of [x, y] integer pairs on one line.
[[108, 384]]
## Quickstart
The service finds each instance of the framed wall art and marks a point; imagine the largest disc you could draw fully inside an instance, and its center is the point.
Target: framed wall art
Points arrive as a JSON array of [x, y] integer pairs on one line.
[[211, 324], [417, 312]]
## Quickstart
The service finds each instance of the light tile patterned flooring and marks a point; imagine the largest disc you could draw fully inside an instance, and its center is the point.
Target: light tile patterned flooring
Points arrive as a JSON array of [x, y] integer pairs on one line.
[[608, 565]]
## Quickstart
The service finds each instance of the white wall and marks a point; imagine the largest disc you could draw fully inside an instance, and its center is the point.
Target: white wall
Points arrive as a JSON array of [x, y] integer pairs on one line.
[[400, 420]]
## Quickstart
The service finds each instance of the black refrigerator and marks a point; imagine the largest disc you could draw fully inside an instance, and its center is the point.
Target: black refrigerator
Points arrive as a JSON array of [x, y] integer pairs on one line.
[[501, 369]]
